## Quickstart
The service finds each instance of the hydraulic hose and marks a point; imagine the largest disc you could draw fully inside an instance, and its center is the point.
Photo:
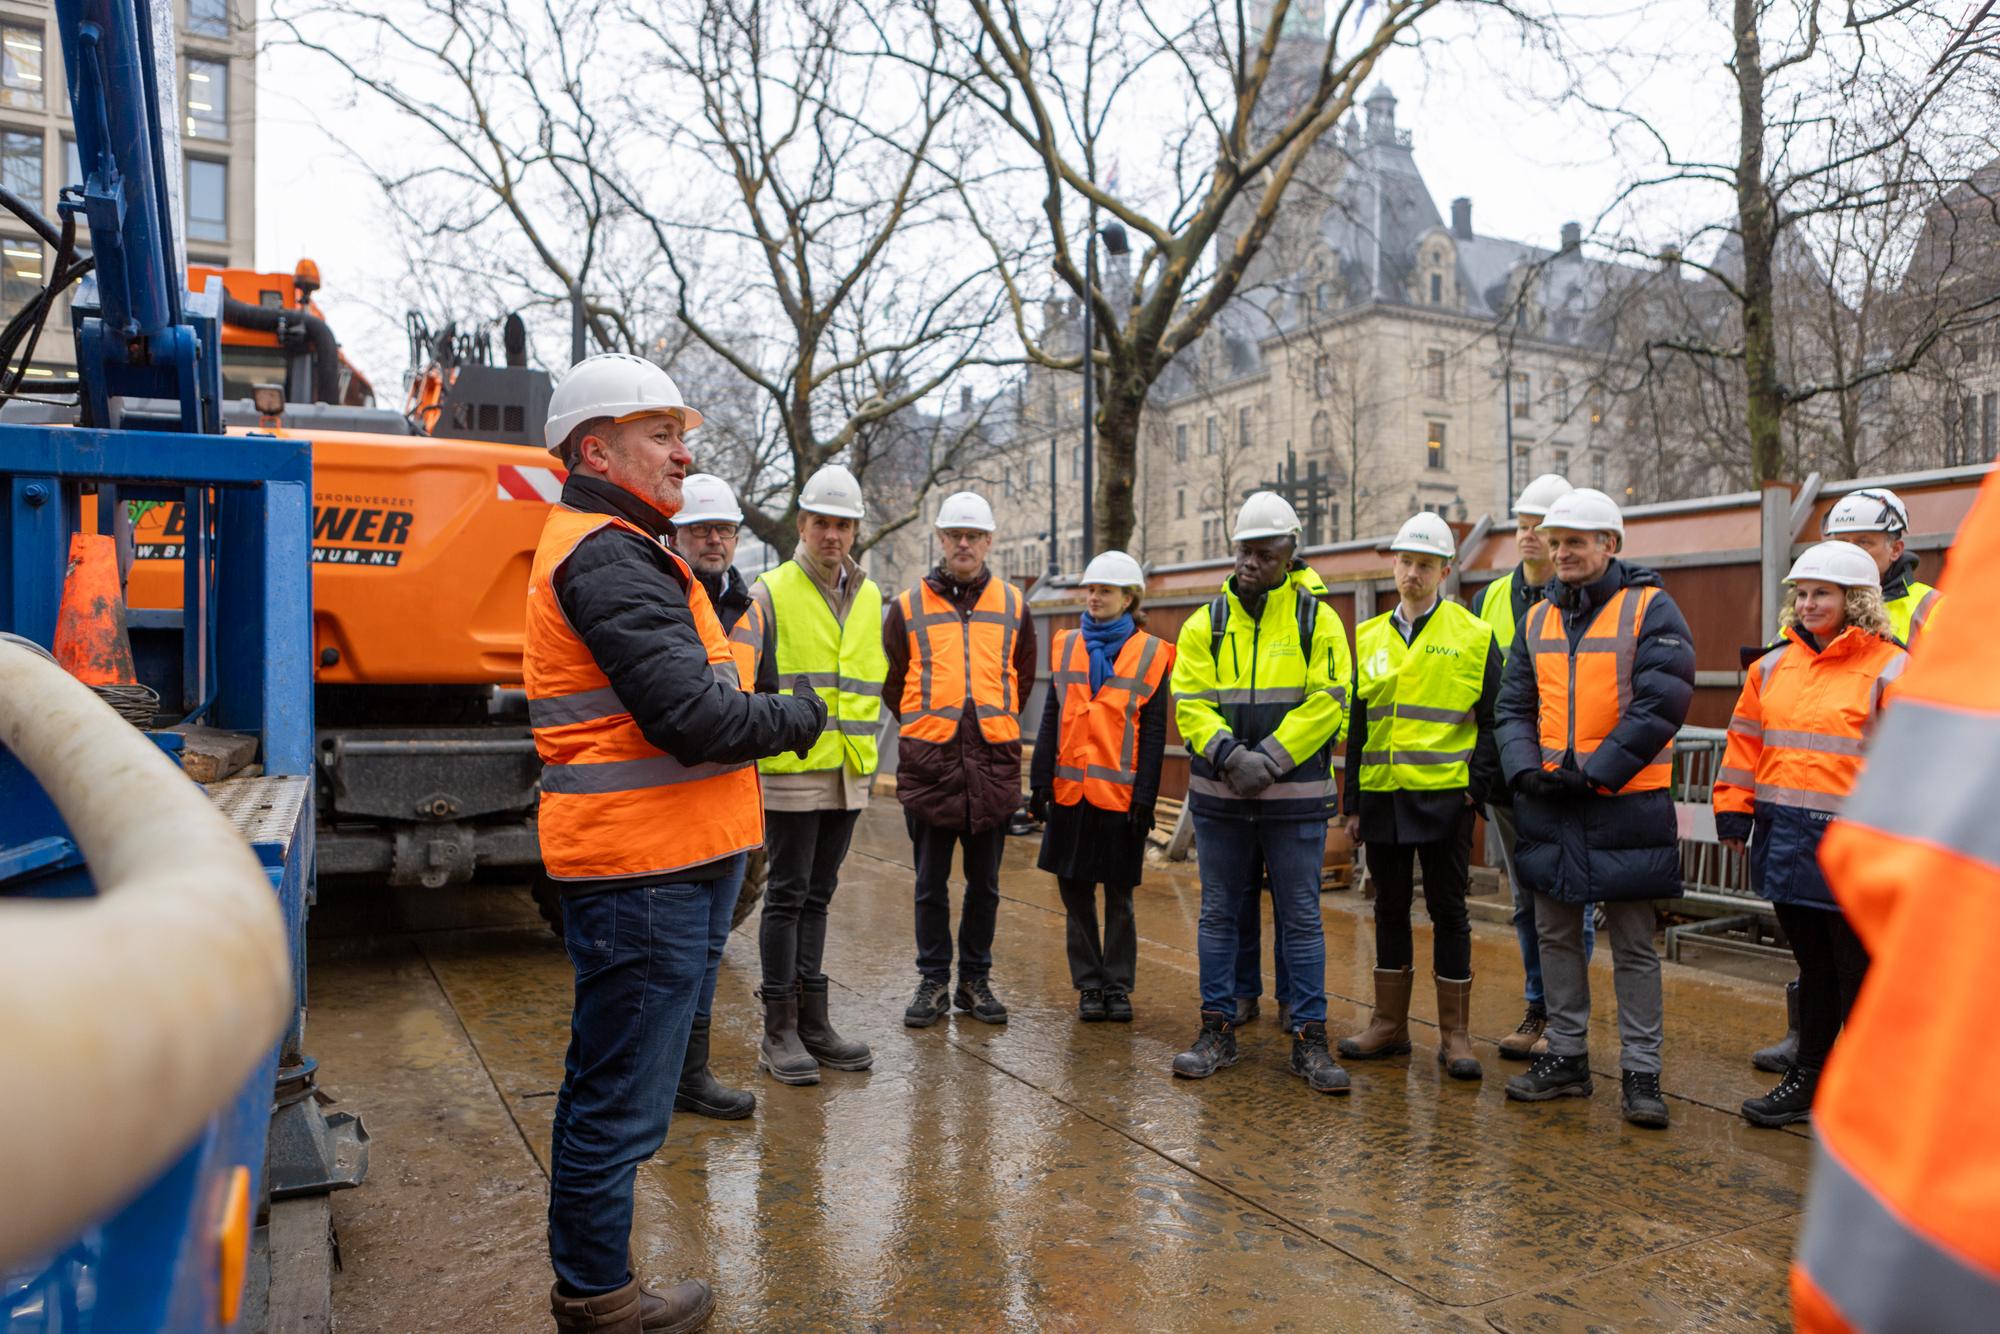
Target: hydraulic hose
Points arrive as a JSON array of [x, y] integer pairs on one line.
[[316, 332]]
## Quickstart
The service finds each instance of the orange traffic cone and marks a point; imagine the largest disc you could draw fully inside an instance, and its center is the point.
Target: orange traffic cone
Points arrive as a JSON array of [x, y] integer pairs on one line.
[[91, 640]]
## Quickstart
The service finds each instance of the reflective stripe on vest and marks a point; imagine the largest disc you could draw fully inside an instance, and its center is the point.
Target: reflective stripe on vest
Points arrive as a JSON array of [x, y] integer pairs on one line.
[[842, 660], [1584, 694], [1421, 699], [1097, 751], [746, 638], [612, 804], [1909, 612], [961, 662], [1829, 699]]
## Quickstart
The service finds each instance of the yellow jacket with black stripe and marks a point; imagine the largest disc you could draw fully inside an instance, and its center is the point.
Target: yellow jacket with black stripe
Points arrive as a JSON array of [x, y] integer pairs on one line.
[[1277, 681]]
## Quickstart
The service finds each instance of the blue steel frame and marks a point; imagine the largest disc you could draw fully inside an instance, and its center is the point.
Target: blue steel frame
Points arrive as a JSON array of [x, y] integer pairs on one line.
[[152, 1265]]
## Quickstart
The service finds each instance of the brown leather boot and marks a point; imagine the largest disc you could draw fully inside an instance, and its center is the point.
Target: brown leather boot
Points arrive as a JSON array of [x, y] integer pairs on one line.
[[1520, 1044], [685, 1306], [1388, 1032], [614, 1312], [1455, 1052]]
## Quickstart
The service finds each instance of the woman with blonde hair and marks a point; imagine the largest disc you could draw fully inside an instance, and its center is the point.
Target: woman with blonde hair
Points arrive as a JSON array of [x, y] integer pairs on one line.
[[1795, 746]]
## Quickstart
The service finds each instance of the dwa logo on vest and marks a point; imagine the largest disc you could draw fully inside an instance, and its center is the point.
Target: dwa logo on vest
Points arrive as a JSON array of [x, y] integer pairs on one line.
[[347, 530]]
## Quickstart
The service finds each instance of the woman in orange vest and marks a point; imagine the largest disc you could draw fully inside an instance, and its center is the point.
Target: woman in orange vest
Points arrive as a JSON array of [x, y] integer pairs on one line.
[[1795, 743], [1096, 775]]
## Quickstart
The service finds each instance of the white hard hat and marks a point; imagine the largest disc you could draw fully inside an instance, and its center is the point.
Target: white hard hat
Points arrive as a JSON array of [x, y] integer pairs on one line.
[[1265, 514], [1840, 563], [965, 509], [1428, 534], [1584, 510], [616, 385], [1874, 510], [1538, 495], [706, 498], [1114, 568], [832, 491]]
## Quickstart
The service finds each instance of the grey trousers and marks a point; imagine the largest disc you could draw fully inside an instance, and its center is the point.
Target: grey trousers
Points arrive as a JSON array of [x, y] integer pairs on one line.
[[1635, 971]]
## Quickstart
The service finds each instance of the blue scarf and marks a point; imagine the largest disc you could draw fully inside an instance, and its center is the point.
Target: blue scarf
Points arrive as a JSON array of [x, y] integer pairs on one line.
[[1103, 639]]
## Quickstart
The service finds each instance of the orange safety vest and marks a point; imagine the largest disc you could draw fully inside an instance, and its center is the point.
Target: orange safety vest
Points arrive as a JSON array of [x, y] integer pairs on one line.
[[614, 805], [1098, 735], [959, 662], [1902, 1226], [746, 640], [1584, 694], [1796, 736]]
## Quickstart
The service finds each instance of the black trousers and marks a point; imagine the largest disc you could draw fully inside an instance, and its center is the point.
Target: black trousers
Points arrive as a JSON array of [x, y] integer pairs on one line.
[[976, 918], [805, 850], [1109, 962], [1832, 962], [1392, 867]]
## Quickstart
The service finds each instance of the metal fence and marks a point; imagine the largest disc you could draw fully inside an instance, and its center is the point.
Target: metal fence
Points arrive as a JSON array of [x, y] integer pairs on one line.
[[1710, 873]]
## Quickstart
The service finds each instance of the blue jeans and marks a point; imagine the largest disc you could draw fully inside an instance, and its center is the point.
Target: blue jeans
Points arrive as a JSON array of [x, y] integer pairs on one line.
[[1524, 911], [1250, 946], [645, 958], [1229, 854]]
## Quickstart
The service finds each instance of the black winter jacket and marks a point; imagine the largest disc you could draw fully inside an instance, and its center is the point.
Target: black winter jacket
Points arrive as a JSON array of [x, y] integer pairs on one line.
[[1595, 847]]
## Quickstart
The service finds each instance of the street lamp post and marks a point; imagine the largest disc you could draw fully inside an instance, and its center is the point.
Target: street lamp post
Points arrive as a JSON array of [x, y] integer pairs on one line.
[[1089, 388], [1508, 483]]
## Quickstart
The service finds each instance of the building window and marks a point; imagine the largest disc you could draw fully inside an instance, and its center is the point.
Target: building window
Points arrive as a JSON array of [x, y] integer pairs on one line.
[[20, 274], [1076, 463], [207, 200], [1007, 483], [1559, 391], [1598, 470], [1592, 403], [1987, 424], [1559, 462], [1242, 428], [1437, 289], [1322, 434], [1214, 435], [1031, 472], [1522, 397], [207, 94], [209, 16], [1434, 446], [1434, 372], [1323, 296], [21, 164], [1180, 444], [1180, 554], [1180, 504], [20, 66], [1322, 377]]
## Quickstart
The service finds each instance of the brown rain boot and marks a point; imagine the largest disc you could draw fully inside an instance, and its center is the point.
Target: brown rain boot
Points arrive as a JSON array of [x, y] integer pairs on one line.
[[1388, 1032], [781, 1053], [1455, 1052], [614, 1312]]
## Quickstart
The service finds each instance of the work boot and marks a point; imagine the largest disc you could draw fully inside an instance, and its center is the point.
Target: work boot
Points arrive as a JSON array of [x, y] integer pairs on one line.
[[1312, 1061], [1791, 1101], [1781, 1057], [1214, 1047], [817, 1035], [633, 1310], [975, 995], [1518, 1045], [1642, 1102], [781, 1053], [700, 1092], [1388, 1032], [1246, 1010], [1090, 1006], [931, 1003], [1455, 1052], [685, 1306], [1118, 1007], [1552, 1076]]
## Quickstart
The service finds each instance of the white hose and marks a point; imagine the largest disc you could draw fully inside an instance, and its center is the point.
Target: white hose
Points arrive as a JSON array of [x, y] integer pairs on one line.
[[128, 1019]]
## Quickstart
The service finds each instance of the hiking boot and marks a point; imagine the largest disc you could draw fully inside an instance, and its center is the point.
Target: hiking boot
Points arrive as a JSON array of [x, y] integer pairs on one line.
[[684, 1307], [700, 1092], [1246, 1010], [633, 1310], [1642, 1102], [1552, 1076], [931, 1003], [1455, 1052], [1388, 1031], [1784, 1054], [1214, 1047], [976, 996], [1790, 1101], [1517, 1045], [1118, 1007], [781, 1054], [1315, 1063], [1090, 1006], [818, 1036]]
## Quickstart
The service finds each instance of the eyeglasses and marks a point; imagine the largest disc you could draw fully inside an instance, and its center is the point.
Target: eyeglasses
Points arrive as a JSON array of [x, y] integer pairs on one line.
[[962, 537]]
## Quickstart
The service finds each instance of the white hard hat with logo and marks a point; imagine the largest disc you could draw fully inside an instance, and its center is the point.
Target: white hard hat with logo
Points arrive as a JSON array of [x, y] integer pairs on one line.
[[1265, 514], [965, 509], [617, 385], [1538, 495], [832, 491], [706, 498], [1114, 568], [1840, 563], [1584, 510], [1427, 534], [1874, 510]]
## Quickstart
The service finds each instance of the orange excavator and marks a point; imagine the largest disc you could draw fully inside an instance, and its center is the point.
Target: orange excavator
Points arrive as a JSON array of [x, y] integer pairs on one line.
[[425, 521]]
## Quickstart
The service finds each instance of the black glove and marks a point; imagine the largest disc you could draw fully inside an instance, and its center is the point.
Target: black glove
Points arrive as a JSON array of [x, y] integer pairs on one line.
[[1248, 771], [802, 690], [1140, 817], [1038, 805], [1552, 784]]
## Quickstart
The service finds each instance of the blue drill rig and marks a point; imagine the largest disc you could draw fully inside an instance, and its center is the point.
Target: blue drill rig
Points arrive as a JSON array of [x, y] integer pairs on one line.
[[170, 1243]]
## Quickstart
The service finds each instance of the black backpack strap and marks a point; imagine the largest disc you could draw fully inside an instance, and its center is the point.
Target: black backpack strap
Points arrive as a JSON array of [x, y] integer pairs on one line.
[[1308, 610], [1218, 623]]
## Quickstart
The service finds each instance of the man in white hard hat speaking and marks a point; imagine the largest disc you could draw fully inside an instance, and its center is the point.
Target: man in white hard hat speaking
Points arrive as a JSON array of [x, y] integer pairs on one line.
[[1599, 682], [1876, 520], [648, 738], [961, 651], [1260, 688], [820, 618]]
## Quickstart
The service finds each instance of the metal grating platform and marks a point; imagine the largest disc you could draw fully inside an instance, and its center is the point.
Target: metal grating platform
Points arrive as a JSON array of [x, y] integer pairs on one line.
[[263, 810]]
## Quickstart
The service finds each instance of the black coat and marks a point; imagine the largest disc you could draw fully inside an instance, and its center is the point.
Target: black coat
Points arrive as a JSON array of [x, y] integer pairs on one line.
[[1082, 842], [1595, 847]]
